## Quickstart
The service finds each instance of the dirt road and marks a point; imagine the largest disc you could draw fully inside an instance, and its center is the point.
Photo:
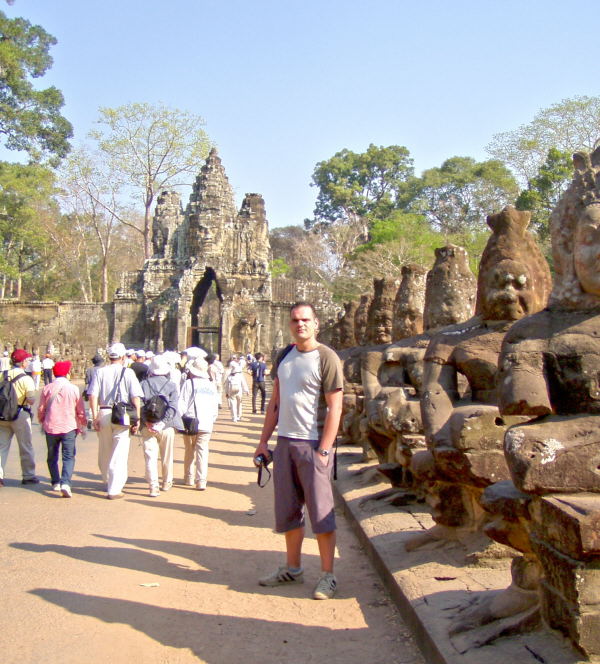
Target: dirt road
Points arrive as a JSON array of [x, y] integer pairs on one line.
[[172, 580]]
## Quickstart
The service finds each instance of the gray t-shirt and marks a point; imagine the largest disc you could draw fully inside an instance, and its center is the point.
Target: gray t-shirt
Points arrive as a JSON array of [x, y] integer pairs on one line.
[[104, 385], [304, 379]]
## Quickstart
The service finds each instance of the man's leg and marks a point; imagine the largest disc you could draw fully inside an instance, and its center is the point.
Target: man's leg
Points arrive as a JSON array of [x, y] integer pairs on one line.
[[326, 542], [189, 444], [22, 428], [150, 444], [6, 435], [293, 547], [68, 457], [255, 389], [53, 443], [263, 396], [104, 442], [202, 440], [166, 442], [117, 465]]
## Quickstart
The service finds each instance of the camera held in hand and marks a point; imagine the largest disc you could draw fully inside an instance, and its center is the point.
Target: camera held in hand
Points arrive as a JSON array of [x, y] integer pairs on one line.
[[261, 461]]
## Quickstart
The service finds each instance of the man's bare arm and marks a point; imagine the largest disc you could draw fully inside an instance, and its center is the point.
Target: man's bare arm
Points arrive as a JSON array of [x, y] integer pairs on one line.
[[271, 419], [332, 419]]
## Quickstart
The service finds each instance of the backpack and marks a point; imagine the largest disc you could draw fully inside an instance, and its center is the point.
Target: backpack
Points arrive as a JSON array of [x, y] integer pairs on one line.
[[155, 408], [9, 402], [234, 384]]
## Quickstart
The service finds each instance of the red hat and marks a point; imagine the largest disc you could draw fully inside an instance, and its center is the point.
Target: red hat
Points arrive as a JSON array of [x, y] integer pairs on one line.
[[19, 355], [62, 368]]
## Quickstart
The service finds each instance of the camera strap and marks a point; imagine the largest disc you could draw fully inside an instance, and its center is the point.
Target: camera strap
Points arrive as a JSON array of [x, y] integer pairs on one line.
[[259, 481]]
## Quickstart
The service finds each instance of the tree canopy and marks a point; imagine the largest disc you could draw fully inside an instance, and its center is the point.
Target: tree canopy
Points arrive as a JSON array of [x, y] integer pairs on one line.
[[358, 185], [30, 119], [567, 126], [150, 148], [458, 196], [545, 189]]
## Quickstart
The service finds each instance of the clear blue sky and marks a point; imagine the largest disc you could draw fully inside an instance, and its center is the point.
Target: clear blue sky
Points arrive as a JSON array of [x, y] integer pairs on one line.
[[283, 84]]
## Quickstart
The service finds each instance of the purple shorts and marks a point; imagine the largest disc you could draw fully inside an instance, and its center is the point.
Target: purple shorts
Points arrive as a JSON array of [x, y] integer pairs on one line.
[[300, 478]]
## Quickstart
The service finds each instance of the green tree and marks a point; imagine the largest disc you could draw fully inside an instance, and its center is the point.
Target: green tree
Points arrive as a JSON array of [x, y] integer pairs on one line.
[[25, 196], [545, 189], [570, 125], [150, 148], [356, 187], [30, 119], [457, 197]]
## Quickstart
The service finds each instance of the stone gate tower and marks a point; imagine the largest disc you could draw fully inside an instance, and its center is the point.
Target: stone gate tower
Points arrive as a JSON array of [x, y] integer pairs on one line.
[[208, 282]]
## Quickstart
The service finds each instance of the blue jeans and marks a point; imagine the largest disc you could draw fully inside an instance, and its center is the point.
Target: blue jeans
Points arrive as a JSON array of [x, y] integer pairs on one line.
[[54, 440]]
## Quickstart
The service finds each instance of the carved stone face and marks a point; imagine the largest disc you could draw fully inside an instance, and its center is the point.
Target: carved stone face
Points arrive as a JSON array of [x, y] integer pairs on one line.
[[586, 250], [508, 292]]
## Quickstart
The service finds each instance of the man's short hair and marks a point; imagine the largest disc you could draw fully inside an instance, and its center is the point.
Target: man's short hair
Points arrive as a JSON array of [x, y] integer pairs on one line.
[[259, 356], [297, 305]]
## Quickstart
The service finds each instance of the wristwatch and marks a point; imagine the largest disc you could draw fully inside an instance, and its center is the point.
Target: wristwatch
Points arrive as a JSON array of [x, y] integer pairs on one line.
[[323, 452]]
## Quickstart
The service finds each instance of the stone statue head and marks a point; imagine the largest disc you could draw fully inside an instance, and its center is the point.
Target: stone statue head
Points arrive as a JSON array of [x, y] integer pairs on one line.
[[450, 288], [409, 303], [574, 227], [514, 277]]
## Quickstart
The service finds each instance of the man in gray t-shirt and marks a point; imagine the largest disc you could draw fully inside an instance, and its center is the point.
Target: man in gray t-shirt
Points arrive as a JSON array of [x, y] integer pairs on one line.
[[306, 406], [110, 384]]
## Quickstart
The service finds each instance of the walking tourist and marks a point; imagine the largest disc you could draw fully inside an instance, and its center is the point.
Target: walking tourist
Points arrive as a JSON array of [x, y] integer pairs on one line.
[[4, 362], [198, 410], [19, 422], [36, 370], [216, 371], [235, 388], [258, 368], [47, 364], [305, 407], [159, 421], [112, 384], [61, 414]]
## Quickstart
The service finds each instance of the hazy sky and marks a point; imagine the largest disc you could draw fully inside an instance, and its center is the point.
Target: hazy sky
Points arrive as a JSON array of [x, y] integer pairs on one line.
[[283, 84]]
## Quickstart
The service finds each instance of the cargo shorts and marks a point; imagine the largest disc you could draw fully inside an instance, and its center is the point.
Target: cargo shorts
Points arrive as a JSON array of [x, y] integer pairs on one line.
[[302, 480]]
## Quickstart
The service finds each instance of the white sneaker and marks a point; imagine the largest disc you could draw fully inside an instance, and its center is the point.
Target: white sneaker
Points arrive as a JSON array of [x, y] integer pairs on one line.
[[56, 487], [282, 577], [326, 586], [201, 486], [66, 490], [154, 491]]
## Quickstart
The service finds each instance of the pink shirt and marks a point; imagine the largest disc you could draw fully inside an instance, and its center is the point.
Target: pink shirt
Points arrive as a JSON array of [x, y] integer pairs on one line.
[[66, 411]]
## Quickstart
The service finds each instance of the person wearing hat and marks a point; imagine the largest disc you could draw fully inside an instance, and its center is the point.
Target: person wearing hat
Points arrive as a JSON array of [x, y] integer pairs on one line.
[[61, 413], [198, 399], [111, 384], [47, 364], [235, 387], [21, 427], [159, 436]]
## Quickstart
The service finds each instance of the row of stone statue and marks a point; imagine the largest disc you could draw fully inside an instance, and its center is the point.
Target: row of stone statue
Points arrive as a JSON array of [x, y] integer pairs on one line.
[[487, 405]]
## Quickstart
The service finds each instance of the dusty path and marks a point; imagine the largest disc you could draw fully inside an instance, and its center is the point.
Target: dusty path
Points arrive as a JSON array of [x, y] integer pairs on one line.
[[173, 579]]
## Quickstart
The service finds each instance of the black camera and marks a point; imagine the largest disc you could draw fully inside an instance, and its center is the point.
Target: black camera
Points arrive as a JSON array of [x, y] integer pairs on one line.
[[262, 460]]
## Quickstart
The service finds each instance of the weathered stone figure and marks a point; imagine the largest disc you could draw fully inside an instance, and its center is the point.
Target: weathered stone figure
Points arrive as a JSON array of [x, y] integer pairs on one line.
[[392, 378], [550, 371], [346, 325], [360, 319], [409, 303], [465, 432], [381, 311]]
